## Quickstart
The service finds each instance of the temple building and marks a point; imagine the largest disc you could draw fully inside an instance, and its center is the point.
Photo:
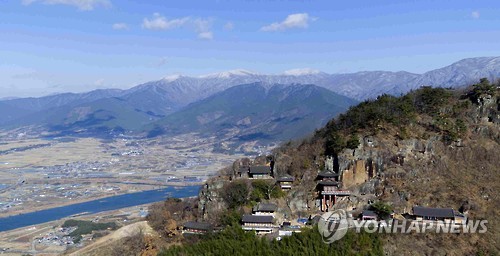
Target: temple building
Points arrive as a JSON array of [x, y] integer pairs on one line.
[[329, 189], [438, 214], [193, 227], [285, 182], [261, 224], [369, 215], [260, 172], [265, 209]]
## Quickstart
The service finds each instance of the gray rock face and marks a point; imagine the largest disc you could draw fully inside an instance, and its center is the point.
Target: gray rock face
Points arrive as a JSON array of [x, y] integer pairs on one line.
[[211, 203], [368, 152], [369, 187], [298, 202], [414, 146], [487, 116], [488, 109]]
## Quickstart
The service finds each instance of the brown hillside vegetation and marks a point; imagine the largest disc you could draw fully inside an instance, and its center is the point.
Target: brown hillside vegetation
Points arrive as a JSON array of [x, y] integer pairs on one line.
[[134, 239], [433, 147]]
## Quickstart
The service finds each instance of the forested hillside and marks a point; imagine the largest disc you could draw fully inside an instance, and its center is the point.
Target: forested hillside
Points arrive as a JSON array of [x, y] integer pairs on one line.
[[234, 241], [433, 147]]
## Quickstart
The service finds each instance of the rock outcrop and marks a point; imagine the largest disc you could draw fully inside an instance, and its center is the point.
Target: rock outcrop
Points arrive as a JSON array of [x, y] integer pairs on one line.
[[211, 203]]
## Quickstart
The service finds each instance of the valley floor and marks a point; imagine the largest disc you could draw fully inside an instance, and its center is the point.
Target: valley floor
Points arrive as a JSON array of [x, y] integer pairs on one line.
[[37, 174]]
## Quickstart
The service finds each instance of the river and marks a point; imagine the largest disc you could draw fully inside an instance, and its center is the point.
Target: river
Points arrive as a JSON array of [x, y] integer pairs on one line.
[[95, 206]]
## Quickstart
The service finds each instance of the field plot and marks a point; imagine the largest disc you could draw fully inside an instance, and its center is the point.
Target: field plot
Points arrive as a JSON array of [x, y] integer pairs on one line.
[[51, 153]]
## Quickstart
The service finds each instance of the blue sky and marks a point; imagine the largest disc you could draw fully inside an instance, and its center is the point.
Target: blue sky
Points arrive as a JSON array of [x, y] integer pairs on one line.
[[49, 46]]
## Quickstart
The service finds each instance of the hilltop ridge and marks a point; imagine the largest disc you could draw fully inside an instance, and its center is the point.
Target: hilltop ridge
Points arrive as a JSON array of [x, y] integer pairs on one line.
[[433, 147]]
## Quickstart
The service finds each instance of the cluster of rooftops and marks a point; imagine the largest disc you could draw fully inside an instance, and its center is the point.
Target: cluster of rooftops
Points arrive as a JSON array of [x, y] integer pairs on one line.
[[329, 188], [262, 219], [328, 181], [265, 172]]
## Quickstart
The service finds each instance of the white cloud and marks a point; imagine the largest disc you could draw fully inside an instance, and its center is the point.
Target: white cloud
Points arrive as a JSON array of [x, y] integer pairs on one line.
[[202, 27], [120, 26], [159, 22], [99, 82], [229, 26], [297, 20], [475, 15], [206, 35], [83, 5]]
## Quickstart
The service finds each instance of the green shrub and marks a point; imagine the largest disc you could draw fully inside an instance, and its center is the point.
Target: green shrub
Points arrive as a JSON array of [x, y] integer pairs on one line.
[[235, 194], [429, 100], [265, 189], [483, 87], [382, 209], [230, 218], [86, 227], [353, 142]]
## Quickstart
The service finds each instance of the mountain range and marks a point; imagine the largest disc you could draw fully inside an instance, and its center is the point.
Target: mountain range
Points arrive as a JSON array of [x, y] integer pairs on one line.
[[277, 106], [261, 110]]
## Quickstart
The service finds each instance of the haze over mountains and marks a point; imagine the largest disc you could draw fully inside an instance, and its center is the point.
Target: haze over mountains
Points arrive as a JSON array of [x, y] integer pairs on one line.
[[266, 105]]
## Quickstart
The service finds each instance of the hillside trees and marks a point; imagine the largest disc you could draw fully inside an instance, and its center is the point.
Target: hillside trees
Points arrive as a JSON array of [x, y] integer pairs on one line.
[[371, 116], [235, 194], [240, 192], [265, 189], [164, 216], [86, 227], [382, 209], [429, 100], [234, 241], [483, 87]]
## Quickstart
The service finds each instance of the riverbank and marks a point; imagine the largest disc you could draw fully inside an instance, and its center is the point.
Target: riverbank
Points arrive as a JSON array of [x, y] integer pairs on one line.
[[23, 240], [95, 206], [143, 187]]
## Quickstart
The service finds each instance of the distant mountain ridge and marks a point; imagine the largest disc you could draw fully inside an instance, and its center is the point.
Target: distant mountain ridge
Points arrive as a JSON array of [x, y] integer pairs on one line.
[[259, 111], [16, 109], [148, 103], [360, 85]]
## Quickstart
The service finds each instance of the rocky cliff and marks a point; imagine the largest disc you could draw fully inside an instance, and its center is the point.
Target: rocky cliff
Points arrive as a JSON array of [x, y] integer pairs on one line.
[[433, 147]]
